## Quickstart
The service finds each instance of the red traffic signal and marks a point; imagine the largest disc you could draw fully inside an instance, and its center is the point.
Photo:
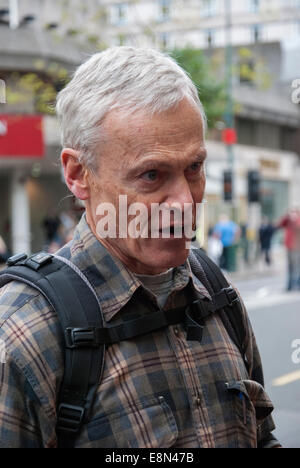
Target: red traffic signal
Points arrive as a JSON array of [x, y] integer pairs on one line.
[[229, 136]]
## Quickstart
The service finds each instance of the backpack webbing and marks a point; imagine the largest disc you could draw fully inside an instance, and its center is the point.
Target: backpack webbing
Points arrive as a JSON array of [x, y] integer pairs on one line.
[[231, 314]]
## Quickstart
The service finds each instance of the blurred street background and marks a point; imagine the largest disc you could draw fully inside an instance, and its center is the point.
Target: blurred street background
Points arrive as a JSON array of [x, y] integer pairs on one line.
[[244, 57]]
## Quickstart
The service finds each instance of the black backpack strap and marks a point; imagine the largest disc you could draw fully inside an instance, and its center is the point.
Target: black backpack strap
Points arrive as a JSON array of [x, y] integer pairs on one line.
[[79, 312], [225, 299]]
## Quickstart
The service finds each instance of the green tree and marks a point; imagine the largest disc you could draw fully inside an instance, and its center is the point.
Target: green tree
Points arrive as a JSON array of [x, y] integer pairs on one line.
[[211, 89], [36, 91]]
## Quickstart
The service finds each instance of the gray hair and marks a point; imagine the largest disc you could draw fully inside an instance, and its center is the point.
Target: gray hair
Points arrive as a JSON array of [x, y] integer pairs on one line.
[[120, 77]]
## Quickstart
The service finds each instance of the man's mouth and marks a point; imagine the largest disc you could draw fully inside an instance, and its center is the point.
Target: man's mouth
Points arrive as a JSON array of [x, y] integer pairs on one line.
[[170, 231]]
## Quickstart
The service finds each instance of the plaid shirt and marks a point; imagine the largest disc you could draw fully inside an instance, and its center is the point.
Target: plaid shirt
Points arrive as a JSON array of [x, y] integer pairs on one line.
[[158, 390]]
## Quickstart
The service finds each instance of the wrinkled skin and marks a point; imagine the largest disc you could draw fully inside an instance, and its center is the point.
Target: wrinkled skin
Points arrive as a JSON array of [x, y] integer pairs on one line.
[[151, 159]]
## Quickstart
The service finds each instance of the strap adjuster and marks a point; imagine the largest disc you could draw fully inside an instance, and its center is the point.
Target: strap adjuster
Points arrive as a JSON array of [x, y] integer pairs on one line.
[[16, 258], [69, 418], [81, 338], [231, 295], [36, 261], [201, 309]]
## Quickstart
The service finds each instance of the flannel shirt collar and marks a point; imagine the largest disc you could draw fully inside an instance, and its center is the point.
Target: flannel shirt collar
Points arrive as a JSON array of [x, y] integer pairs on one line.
[[113, 282]]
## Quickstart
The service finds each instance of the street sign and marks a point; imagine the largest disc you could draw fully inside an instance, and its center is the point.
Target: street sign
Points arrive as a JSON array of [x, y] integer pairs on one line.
[[21, 136]]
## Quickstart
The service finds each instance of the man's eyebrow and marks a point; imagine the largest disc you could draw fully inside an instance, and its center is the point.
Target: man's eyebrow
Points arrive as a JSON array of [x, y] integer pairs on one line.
[[162, 161]]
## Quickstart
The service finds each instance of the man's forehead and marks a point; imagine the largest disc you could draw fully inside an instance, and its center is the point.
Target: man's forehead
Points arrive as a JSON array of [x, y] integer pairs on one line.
[[167, 128]]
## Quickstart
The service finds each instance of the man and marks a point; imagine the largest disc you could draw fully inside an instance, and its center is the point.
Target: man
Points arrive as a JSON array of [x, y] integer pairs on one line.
[[291, 224], [133, 125], [228, 232], [266, 232]]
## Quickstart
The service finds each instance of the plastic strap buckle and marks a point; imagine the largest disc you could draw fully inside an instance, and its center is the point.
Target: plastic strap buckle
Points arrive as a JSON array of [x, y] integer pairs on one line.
[[16, 258], [70, 418], [201, 309], [232, 296], [35, 262], [81, 338]]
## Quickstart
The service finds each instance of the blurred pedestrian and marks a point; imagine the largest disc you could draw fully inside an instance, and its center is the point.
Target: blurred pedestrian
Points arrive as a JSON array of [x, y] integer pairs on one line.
[[291, 224], [229, 233], [51, 225], [244, 242], [266, 232], [214, 246], [3, 251]]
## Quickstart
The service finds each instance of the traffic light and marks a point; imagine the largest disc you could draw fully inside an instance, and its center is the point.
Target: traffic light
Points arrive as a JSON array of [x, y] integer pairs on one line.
[[229, 136], [228, 186], [253, 187]]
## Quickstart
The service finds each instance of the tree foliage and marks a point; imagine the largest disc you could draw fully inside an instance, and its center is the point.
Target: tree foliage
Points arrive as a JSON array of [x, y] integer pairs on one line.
[[211, 89], [35, 91]]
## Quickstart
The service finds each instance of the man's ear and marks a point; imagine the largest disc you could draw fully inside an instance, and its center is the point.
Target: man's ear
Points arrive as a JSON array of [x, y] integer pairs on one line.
[[75, 174]]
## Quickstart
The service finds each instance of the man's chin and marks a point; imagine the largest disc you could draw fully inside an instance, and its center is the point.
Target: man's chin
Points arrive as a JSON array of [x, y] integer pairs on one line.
[[164, 258]]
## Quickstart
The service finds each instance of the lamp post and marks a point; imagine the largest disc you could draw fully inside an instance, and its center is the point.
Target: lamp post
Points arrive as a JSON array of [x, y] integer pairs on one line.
[[229, 133], [229, 115]]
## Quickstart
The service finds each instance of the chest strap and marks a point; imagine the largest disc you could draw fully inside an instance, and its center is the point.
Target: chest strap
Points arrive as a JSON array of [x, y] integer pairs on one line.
[[192, 317]]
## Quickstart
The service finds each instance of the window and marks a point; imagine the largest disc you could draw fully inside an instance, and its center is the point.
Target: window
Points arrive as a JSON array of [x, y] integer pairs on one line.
[[208, 8], [254, 6], [247, 72], [164, 12], [247, 131], [288, 139], [119, 13]]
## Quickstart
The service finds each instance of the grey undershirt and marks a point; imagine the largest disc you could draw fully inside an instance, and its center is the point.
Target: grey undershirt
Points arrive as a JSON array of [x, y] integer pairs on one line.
[[160, 285]]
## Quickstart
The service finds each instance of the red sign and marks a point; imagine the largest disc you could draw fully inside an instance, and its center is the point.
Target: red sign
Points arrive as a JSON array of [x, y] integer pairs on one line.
[[21, 136], [229, 136]]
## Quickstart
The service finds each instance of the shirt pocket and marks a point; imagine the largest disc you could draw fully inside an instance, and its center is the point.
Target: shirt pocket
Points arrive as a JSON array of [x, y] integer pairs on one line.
[[150, 424], [252, 406]]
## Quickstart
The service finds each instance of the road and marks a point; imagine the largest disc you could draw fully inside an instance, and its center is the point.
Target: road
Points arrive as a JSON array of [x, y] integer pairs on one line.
[[275, 317]]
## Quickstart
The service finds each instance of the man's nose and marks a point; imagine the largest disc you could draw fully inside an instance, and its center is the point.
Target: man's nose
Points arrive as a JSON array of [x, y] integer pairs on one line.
[[180, 192]]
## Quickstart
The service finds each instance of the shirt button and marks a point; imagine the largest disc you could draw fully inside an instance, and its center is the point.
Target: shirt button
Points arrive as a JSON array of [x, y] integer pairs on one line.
[[198, 401], [176, 331]]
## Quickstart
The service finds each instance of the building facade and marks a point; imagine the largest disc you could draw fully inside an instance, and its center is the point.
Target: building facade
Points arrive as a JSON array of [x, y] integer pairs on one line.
[[51, 37], [162, 23]]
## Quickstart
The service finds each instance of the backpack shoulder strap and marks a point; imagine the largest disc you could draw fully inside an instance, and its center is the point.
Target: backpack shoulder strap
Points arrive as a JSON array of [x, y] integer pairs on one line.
[[79, 313], [224, 297]]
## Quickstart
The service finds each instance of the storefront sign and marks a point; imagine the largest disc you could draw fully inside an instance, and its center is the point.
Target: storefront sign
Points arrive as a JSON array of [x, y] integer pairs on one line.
[[269, 164], [21, 136]]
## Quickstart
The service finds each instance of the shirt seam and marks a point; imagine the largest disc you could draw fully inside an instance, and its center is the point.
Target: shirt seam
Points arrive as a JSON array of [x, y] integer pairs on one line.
[[18, 309]]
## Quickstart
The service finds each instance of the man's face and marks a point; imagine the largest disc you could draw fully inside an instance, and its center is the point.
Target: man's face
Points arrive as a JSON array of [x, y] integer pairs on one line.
[[150, 159]]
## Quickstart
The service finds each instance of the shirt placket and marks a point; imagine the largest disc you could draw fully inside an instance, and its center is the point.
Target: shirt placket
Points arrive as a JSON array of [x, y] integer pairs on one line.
[[187, 367]]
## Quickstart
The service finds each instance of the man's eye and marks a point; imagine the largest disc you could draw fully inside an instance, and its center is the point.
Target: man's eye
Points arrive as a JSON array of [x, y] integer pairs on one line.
[[195, 167], [150, 176]]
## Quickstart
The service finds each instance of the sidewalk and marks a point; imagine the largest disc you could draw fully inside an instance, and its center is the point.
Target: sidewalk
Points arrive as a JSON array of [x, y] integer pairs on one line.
[[260, 268]]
